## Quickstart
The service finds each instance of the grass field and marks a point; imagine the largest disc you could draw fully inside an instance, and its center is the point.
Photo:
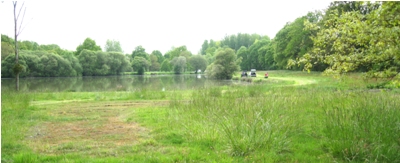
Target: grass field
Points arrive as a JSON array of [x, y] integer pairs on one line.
[[289, 117]]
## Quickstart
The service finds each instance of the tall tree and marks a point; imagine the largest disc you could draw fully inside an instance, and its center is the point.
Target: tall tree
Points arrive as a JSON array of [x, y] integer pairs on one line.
[[17, 67], [179, 64], [140, 52], [140, 65], [154, 65], [204, 47], [224, 66], [88, 44], [113, 46], [358, 42], [165, 65], [198, 62], [243, 53], [158, 54]]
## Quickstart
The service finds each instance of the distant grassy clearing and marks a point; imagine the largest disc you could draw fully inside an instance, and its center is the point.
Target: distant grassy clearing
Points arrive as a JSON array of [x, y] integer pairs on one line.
[[298, 81]]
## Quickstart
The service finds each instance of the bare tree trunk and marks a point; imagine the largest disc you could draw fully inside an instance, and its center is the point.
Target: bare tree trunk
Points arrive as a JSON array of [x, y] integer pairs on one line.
[[16, 45]]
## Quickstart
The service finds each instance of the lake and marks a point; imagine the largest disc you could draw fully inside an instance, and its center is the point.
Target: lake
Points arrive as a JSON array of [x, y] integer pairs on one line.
[[113, 83]]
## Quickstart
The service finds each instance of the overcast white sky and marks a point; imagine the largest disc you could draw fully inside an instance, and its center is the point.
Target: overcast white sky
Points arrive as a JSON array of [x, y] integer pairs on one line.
[[154, 24]]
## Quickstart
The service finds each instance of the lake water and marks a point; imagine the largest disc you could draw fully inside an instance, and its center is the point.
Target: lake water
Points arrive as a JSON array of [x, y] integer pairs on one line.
[[113, 83]]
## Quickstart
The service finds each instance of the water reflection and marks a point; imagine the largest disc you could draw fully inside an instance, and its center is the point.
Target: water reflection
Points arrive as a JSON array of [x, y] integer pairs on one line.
[[113, 83]]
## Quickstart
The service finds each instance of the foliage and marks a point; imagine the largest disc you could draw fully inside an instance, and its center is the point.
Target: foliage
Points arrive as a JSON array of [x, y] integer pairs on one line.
[[204, 47], [198, 62], [179, 51], [239, 40], [178, 64], [140, 52], [293, 41], [140, 64], [154, 65], [113, 46], [158, 54], [102, 63], [244, 54], [42, 64], [88, 44], [357, 42], [6, 50], [224, 66], [166, 66], [257, 54]]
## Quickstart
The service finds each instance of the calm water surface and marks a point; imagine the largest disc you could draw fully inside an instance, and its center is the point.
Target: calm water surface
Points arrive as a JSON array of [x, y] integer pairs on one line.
[[113, 83]]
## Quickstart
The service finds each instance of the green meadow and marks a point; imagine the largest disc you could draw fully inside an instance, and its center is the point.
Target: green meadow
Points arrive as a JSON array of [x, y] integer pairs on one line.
[[291, 116]]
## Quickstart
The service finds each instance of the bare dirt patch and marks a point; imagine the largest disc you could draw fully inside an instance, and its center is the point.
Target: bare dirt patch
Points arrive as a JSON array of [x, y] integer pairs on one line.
[[88, 127]]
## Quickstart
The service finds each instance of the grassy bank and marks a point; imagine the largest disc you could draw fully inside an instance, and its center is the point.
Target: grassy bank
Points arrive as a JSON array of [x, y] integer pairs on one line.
[[289, 117]]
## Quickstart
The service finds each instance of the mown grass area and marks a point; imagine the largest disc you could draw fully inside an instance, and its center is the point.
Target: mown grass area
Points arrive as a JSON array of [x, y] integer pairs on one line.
[[289, 117]]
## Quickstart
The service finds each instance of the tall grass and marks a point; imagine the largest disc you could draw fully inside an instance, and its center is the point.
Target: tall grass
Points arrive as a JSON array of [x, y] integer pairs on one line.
[[248, 120], [363, 126], [241, 119], [15, 116]]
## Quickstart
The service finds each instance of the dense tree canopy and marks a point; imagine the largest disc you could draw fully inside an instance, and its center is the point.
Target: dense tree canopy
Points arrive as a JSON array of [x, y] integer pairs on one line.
[[224, 66], [355, 41], [198, 62], [140, 65], [140, 52], [178, 64], [42, 64], [165, 65], [88, 44], [102, 63]]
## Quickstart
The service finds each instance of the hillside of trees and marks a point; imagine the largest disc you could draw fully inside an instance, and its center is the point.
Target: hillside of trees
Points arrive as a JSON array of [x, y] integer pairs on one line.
[[346, 37]]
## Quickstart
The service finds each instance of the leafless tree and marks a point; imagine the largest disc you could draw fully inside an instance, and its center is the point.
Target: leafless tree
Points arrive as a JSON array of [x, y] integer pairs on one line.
[[17, 67]]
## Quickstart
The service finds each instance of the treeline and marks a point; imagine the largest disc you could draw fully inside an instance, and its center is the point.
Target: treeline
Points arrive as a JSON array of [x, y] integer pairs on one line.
[[346, 37], [52, 61], [90, 60]]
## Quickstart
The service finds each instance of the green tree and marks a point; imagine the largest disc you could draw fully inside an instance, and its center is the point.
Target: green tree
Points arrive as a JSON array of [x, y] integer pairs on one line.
[[140, 52], [154, 65], [243, 53], [140, 65], [87, 59], [88, 44], [28, 45], [165, 66], [358, 42], [178, 64], [179, 51], [6, 50], [204, 47], [257, 53], [269, 56], [198, 62], [113, 46], [224, 66], [158, 54]]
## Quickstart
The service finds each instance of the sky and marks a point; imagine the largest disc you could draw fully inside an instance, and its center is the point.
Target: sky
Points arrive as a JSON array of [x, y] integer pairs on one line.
[[153, 24]]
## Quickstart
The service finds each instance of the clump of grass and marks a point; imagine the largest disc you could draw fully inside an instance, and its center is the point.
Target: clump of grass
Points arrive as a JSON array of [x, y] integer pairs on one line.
[[363, 126], [244, 125]]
